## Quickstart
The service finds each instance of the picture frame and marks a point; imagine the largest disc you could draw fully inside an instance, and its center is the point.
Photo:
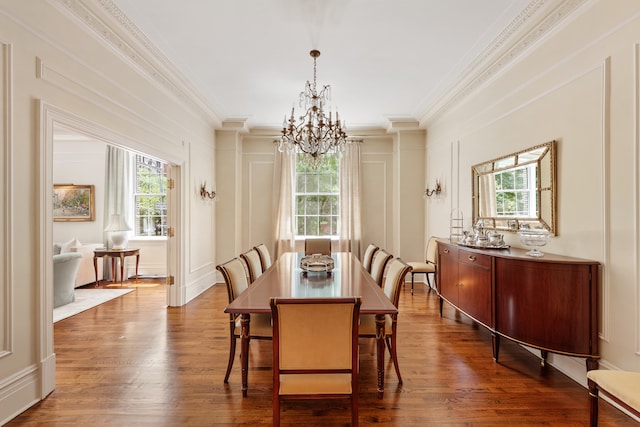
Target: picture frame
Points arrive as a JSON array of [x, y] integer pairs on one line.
[[73, 202]]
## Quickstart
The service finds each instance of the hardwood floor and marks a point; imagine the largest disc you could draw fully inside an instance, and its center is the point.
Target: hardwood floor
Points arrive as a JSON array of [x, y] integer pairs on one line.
[[133, 361]]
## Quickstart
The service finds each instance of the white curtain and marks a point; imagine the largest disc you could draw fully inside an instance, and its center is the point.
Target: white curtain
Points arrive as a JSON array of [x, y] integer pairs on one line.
[[284, 179], [118, 185], [487, 195], [350, 222]]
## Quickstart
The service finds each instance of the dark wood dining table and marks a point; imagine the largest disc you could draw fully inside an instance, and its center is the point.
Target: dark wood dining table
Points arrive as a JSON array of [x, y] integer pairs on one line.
[[285, 279]]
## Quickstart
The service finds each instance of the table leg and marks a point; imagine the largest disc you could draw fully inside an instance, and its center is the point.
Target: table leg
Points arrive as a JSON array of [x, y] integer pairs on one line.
[[137, 262], [380, 327], [121, 268], [113, 270], [245, 334], [95, 267]]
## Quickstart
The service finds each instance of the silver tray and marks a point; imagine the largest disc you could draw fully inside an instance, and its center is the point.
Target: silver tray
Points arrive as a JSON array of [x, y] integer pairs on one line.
[[483, 247]]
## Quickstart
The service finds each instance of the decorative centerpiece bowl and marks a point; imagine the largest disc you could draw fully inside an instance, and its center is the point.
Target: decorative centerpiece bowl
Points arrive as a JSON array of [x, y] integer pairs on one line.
[[316, 263], [534, 238]]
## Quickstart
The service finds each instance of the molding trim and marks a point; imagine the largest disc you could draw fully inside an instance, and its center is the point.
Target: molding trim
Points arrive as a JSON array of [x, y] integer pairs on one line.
[[636, 184], [606, 196], [6, 196], [140, 51], [499, 54]]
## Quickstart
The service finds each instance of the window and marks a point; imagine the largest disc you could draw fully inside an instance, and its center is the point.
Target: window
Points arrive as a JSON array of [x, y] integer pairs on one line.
[[317, 196], [515, 192], [150, 197]]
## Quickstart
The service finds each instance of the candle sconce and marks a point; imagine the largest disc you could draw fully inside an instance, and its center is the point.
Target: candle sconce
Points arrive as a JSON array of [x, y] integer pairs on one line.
[[206, 194], [434, 192]]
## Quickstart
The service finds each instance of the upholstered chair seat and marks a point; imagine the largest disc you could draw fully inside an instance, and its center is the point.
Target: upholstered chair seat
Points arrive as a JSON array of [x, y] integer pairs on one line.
[[623, 387]]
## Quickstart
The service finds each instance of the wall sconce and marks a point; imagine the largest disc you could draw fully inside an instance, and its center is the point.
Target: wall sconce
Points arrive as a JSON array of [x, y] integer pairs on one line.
[[436, 191], [205, 194]]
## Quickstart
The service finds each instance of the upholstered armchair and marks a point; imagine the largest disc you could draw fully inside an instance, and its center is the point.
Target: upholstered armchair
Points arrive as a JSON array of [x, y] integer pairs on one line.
[[65, 270], [315, 350]]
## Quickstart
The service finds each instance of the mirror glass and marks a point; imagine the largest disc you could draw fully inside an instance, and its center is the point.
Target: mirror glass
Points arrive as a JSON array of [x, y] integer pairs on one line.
[[517, 191]]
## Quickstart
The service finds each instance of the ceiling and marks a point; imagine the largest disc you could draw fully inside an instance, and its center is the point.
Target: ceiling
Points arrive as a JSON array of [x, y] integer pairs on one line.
[[384, 59]]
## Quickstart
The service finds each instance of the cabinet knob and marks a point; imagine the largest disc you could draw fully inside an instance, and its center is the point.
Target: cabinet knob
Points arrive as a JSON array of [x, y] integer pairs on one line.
[[472, 258], [446, 251]]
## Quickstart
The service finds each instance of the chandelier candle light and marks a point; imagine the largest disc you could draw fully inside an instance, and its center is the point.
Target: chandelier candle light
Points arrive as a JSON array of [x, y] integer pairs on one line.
[[314, 134]]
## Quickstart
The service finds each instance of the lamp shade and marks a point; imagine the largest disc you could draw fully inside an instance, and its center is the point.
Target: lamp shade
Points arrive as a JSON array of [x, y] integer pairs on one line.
[[117, 223]]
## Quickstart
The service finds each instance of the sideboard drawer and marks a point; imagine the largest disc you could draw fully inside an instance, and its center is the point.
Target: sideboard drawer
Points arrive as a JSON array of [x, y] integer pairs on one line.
[[473, 258]]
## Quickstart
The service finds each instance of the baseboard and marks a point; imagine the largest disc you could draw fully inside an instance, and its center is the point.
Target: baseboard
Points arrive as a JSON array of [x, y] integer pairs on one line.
[[18, 393]]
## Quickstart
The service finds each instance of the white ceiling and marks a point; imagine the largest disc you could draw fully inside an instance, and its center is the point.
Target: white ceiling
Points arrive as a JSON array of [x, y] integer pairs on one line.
[[383, 58]]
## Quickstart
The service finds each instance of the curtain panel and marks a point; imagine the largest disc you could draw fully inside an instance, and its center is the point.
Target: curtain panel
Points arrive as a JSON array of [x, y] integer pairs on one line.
[[350, 236], [283, 211]]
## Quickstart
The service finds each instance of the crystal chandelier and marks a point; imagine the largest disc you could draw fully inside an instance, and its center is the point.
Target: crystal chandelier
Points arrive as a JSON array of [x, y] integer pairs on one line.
[[314, 134]]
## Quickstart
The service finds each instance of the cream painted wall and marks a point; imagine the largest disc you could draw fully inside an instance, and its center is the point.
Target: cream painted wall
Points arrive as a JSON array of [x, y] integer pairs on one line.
[[579, 86], [392, 186], [59, 63]]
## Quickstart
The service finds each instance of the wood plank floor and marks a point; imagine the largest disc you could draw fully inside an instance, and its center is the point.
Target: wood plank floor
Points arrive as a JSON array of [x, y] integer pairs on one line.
[[133, 361]]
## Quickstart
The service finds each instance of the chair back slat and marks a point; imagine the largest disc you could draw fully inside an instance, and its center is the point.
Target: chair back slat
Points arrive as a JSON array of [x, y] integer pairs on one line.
[[380, 260], [235, 276], [368, 257], [396, 273], [254, 265], [317, 246], [432, 250], [265, 256]]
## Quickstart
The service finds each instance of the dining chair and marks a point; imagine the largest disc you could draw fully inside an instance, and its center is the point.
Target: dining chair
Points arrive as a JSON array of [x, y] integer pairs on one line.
[[622, 387], [254, 265], [368, 256], [380, 260], [429, 266], [317, 245], [235, 277], [397, 270], [265, 256], [315, 350]]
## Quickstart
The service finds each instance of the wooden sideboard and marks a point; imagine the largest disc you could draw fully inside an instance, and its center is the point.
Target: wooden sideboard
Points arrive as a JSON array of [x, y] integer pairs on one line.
[[549, 303]]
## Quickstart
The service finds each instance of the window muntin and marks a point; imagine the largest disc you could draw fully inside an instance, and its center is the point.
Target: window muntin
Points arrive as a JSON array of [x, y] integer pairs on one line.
[[317, 197], [150, 197], [516, 192]]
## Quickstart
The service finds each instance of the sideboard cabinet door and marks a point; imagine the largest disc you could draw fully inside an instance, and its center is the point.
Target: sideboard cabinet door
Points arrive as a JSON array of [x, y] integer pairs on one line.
[[547, 305]]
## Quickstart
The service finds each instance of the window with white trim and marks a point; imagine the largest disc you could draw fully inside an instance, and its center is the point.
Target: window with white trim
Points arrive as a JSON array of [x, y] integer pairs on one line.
[[150, 197], [516, 192], [317, 197]]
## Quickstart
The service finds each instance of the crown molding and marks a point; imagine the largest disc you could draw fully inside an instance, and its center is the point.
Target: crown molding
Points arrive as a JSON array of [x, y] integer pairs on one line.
[[109, 24], [534, 23]]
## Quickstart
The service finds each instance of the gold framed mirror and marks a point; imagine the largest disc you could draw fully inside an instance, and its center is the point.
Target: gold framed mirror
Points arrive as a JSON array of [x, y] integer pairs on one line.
[[517, 191]]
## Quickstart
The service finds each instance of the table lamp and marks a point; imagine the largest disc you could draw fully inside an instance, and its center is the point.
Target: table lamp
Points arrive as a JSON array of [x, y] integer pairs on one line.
[[118, 228]]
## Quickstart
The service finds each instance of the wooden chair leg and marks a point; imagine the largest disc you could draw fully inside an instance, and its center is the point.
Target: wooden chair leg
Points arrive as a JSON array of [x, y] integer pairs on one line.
[[412, 282], [593, 403], [276, 411], [232, 352], [354, 410], [394, 356]]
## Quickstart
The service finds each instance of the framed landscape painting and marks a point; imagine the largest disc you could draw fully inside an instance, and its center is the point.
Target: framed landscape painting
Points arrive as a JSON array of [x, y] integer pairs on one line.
[[73, 202]]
